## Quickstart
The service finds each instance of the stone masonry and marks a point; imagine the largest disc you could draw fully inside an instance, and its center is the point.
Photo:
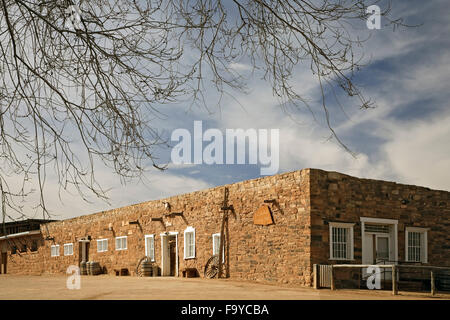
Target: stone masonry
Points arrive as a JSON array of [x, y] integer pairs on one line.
[[305, 202]]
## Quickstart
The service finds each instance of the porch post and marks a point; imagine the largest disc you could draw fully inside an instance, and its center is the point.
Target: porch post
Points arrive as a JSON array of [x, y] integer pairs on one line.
[[433, 283], [316, 276], [332, 278], [394, 280]]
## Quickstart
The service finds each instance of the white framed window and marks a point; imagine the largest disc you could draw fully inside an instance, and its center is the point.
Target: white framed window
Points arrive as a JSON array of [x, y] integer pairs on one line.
[[150, 247], [416, 241], [189, 243], [216, 245], [54, 250], [102, 245], [121, 243], [68, 249], [341, 241]]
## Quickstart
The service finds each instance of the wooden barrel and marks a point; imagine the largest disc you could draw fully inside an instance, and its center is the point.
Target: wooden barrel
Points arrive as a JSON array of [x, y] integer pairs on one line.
[[83, 268], [146, 269], [88, 268], [95, 268], [155, 271]]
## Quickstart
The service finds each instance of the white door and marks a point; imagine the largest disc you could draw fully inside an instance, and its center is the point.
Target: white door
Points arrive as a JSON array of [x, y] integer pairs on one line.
[[367, 255]]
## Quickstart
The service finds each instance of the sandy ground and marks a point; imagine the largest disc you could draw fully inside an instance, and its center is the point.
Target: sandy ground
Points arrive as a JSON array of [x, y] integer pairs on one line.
[[111, 287]]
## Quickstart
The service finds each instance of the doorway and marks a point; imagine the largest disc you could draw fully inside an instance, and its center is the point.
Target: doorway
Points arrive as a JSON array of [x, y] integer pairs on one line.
[[379, 244], [83, 251], [4, 259], [169, 254], [376, 248]]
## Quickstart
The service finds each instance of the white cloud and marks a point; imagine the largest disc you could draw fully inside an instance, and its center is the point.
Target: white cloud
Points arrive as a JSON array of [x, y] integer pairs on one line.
[[239, 66], [419, 152], [157, 185]]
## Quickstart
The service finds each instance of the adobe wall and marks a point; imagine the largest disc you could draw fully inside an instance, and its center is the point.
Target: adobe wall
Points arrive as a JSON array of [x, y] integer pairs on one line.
[[337, 197], [275, 253], [24, 262]]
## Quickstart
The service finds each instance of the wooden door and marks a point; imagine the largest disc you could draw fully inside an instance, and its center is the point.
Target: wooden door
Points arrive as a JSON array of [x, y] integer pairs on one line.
[[4, 259]]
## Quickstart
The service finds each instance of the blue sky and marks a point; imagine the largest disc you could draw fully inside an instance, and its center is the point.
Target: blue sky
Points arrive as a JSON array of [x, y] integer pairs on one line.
[[406, 138]]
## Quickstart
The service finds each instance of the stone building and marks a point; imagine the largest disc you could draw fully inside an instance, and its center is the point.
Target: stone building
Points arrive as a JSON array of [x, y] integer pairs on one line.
[[279, 226]]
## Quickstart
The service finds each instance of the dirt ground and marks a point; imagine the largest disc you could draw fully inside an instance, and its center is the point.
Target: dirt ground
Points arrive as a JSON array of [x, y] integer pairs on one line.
[[111, 287]]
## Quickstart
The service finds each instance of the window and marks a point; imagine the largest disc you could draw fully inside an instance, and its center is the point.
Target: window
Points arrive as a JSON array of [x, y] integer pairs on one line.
[[416, 244], [382, 247], [377, 228], [189, 243], [34, 246], [55, 250], [216, 245], [150, 247], [68, 249], [341, 241], [102, 245], [23, 248], [121, 243]]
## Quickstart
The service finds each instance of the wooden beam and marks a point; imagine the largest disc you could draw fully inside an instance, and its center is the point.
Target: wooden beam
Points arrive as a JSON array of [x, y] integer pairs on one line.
[[433, 284], [362, 265], [332, 285], [316, 275], [394, 280], [225, 209]]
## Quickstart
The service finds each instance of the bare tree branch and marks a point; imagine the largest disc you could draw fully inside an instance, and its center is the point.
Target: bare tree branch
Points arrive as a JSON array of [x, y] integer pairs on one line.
[[95, 79]]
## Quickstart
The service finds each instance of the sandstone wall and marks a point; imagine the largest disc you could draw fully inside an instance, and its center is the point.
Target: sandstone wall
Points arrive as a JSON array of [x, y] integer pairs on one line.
[[337, 197], [275, 253]]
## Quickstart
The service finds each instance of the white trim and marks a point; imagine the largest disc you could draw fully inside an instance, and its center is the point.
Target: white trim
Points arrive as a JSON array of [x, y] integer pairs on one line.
[[379, 220], [424, 231], [126, 243], [188, 230], [152, 236], [66, 245], [351, 239], [393, 222], [25, 233], [51, 253], [169, 233], [102, 240]]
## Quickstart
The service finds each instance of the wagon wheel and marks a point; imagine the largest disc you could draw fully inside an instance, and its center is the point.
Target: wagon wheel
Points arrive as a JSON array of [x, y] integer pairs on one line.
[[212, 267], [138, 267]]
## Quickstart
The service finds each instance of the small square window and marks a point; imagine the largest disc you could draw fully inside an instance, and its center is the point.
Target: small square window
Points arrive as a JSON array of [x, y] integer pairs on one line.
[[54, 250], [68, 249], [121, 243], [102, 245]]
